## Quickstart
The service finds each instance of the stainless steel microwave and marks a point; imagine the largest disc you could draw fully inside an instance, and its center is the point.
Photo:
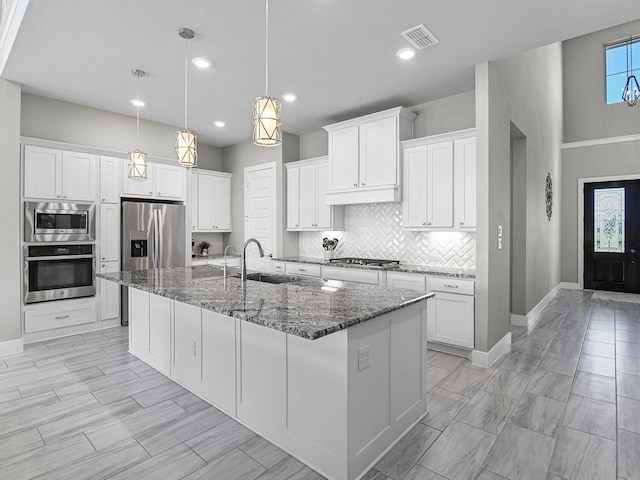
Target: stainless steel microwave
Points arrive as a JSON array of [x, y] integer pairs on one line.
[[59, 222]]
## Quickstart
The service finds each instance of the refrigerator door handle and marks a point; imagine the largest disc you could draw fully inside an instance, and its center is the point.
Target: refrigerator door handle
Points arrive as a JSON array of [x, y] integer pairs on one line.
[[156, 233], [160, 231]]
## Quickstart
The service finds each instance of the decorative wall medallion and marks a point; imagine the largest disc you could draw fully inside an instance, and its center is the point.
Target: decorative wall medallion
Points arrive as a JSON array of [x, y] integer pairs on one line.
[[548, 196]]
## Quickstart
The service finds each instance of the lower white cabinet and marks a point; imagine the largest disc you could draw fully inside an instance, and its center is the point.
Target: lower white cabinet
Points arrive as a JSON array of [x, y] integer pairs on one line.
[[409, 281], [451, 312], [352, 275], [187, 347], [150, 328], [59, 318], [301, 269], [109, 293]]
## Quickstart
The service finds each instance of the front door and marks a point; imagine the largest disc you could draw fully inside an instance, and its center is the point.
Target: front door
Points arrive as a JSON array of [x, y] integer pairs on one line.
[[610, 236]]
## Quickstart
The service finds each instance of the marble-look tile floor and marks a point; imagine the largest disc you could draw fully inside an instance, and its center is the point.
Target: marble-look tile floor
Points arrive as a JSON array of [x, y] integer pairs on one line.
[[564, 404]]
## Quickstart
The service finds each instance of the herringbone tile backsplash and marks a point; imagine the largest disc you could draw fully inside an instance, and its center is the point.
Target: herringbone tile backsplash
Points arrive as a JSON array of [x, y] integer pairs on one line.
[[375, 231]]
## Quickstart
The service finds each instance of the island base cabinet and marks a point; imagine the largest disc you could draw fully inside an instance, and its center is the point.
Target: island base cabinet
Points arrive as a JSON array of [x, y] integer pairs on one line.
[[150, 329]]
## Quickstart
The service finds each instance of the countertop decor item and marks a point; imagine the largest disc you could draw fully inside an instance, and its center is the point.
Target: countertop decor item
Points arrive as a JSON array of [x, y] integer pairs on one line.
[[204, 247], [329, 245]]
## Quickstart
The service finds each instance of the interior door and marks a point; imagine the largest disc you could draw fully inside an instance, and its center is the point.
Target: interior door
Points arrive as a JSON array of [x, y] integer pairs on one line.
[[611, 235], [260, 214]]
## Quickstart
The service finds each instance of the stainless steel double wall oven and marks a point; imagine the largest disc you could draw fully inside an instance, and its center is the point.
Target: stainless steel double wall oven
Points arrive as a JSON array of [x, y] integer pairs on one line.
[[59, 252]]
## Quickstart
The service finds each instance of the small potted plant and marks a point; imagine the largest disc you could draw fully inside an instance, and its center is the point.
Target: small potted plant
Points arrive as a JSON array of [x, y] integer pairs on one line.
[[204, 248]]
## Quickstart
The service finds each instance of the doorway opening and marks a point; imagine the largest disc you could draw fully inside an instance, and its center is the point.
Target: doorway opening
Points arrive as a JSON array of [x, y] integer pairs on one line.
[[518, 240]]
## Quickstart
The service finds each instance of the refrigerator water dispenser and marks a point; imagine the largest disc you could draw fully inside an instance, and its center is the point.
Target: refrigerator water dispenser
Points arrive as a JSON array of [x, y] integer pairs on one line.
[[138, 244]]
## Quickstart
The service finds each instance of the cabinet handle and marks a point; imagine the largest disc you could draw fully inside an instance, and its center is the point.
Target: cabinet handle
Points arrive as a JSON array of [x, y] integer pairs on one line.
[[62, 317], [302, 269], [151, 193], [296, 224], [64, 196], [461, 223], [58, 196], [355, 184], [104, 258], [450, 286], [424, 223], [104, 199], [103, 265], [428, 223], [194, 227], [363, 184]]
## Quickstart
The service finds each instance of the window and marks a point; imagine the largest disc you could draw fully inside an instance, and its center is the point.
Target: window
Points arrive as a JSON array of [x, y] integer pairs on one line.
[[609, 221], [616, 67]]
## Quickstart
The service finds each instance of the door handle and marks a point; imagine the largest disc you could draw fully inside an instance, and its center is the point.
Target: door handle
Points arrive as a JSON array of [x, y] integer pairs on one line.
[[633, 250]]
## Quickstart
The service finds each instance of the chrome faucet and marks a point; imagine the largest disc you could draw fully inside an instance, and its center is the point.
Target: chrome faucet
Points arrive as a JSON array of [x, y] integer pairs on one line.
[[224, 266], [243, 272]]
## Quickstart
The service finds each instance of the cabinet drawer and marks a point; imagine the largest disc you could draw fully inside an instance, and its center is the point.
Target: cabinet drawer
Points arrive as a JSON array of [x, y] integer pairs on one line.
[[302, 269], [279, 267], [350, 275], [39, 320], [451, 285], [410, 281], [231, 262]]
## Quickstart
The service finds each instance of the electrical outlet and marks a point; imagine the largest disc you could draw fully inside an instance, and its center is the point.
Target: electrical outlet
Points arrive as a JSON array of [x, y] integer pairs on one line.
[[364, 357]]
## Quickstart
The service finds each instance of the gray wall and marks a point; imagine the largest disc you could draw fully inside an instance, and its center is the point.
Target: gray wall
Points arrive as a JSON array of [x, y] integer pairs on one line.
[[235, 159], [525, 90], [50, 119], [586, 115], [10, 255], [595, 161]]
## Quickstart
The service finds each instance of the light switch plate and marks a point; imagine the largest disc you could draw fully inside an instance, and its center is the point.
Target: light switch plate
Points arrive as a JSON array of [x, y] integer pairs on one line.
[[364, 357]]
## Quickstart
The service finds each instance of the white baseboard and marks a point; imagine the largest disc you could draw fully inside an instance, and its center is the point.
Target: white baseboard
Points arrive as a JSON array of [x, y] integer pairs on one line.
[[518, 320], [11, 346], [486, 359], [569, 286], [530, 318]]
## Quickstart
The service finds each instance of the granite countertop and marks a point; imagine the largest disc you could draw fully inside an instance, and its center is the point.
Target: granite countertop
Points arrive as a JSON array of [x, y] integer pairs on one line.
[[307, 307], [423, 269], [213, 256]]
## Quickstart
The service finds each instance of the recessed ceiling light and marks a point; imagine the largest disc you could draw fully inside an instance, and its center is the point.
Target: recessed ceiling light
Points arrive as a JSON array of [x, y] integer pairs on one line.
[[290, 97], [219, 123], [201, 62], [406, 53], [137, 102]]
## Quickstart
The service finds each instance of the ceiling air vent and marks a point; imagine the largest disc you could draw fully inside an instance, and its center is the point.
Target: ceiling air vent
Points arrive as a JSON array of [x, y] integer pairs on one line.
[[420, 37]]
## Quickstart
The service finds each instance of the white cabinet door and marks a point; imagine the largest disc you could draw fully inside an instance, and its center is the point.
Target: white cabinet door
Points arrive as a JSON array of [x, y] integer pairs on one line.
[[379, 153], [160, 332], [293, 198], [222, 203], [344, 158], [139, 319], [440, 185], [219, 359], [109, 232], [169, 181], [206, 186], [451, 319], [324, 215], [41, 166], [465, 183], [308, 197], [187, 348], [109, 293], [409, 281], [414, 191], [193, 201], [136, 187], [110, 179], [78, 173]]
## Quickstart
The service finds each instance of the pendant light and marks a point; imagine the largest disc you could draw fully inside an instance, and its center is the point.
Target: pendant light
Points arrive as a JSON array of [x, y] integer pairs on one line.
[[138, 159], [267, 129], [631, 92], [186, 140]]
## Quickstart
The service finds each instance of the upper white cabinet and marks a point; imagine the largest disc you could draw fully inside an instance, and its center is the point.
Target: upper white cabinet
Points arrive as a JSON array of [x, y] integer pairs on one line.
[[364, 157], [307, 182], [211, 201], [163, 181], [110, 179], [58, 174], [439, 182]]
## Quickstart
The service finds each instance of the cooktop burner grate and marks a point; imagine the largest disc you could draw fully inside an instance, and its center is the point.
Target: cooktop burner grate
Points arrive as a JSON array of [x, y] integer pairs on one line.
[[371, 262]]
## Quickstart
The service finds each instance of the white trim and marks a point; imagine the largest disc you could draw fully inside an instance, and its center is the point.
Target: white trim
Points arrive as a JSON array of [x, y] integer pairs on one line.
[[518, 320], [11, 346], [580, 246], [11, 21], [486, 359], [600, 141], [569, 286]]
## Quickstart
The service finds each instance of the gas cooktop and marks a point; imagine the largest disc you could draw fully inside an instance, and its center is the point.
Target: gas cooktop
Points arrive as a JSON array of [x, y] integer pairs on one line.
[[369, 262]]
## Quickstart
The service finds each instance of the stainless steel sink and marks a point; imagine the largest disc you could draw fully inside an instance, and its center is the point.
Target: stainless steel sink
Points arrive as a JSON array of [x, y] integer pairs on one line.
[[266, 278]]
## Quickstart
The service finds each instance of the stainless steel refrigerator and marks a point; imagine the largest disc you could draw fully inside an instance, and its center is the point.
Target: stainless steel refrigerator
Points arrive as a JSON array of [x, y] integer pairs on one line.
[[153, 236]]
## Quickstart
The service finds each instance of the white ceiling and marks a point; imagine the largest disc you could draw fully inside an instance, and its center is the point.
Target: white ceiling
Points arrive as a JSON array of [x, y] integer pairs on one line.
[[338, 56]]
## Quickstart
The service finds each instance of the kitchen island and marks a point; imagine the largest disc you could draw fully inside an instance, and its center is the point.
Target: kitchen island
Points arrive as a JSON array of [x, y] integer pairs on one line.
[[332, 372]]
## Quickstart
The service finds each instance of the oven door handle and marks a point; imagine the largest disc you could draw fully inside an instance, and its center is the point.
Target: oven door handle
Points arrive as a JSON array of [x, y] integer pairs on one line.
[[60, 257]]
